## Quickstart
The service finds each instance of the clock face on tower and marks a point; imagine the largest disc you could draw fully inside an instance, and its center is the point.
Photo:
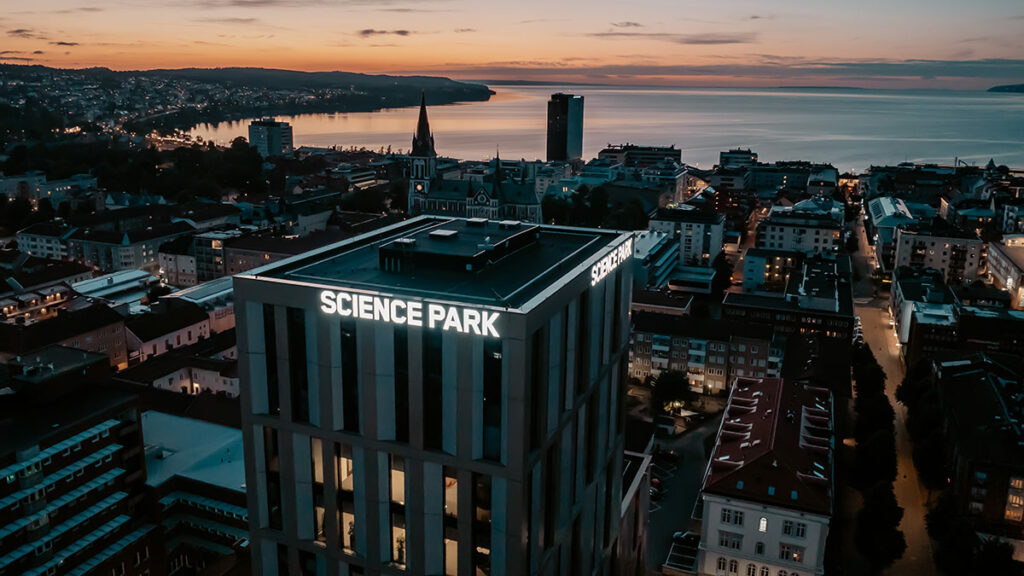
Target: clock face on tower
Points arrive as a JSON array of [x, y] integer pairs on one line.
[[419, 187], [481, 199]]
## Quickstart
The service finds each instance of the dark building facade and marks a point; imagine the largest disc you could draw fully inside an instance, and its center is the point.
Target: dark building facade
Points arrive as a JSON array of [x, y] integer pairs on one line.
[[71, 472], [565, 127], [442, 396]]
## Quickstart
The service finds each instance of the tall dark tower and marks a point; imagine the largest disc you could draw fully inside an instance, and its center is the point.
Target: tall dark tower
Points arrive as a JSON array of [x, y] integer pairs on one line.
[[565, 127], [424, 160]]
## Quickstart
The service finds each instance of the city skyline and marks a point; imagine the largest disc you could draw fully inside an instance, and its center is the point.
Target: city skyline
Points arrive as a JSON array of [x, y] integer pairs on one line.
[[741, 43]]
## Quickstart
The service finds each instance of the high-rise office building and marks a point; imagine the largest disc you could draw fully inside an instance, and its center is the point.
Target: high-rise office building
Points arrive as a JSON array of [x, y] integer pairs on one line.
[[565, 127], [71, 471], [270, 137], [441, 396]]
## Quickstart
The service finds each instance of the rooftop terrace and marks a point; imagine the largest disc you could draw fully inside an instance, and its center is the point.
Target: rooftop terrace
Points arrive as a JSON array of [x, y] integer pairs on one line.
[[488, 262]]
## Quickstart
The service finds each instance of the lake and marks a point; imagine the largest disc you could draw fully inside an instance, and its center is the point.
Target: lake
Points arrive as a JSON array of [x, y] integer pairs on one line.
[[850, 128]]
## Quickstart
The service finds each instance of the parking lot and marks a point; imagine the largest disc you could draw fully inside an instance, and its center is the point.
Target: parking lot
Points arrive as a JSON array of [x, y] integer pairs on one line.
[[679, 480]]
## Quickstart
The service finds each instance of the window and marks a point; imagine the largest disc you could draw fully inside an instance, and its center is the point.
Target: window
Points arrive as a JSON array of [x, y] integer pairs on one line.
[[344, 469], [751, 570], [433, 376], [492, 392], [349, 376], [401, 383], [730, 540], [316, 461], [298, 380], [764, 571], [270, 339], [791, 552], [762, 524], [759, 548], [1014, 507], [797, 529], [734, 566], [734, 517], [272, 465], [722, 562]]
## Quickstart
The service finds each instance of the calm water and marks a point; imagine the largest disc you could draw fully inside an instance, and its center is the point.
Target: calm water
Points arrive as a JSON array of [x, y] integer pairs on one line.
[[850, 128]]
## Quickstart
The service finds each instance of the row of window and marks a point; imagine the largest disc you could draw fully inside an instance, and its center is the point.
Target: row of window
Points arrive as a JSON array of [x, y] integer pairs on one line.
[[789, 527], [732, 567]]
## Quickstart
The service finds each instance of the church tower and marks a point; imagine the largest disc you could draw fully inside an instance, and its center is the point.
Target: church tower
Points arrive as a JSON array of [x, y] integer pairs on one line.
[[423, 160]]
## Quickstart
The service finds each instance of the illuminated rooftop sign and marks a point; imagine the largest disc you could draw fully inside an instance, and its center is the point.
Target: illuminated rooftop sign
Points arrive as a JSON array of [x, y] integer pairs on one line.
[[606, 265], [410, 312]]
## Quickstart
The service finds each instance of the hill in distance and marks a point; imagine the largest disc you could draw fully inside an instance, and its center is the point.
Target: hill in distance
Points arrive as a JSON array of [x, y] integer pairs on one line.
[[1008, 88]]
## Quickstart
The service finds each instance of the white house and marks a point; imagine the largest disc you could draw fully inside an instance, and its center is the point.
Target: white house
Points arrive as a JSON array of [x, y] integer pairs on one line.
[[174, 326], [768, 488]]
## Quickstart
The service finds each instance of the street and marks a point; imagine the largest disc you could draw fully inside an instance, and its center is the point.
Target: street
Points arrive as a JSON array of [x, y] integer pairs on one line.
[[679, 491], [910, 493]]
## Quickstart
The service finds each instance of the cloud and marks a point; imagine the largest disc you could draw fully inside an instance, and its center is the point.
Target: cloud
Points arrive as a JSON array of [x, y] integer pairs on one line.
[[17, 58], [378, 5], [6, 52], [256, 3], [38, 52], [80, 9], [761, 17], [627, 24], [231, 20], [64, 43], [712, 38], [464, 30], [369, 32], [766, 69], [707, 38], [22, 33]]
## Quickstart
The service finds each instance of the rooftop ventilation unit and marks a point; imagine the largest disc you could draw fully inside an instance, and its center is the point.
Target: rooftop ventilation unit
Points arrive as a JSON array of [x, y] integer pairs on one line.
[[443, 234], [508, 224], [406, 242], [477, 222]]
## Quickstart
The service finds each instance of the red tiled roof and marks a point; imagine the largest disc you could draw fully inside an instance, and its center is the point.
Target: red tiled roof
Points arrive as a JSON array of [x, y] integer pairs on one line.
[[775, 446]]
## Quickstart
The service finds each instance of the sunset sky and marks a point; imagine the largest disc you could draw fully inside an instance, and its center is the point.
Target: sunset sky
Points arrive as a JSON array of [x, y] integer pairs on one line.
[[871, 43]]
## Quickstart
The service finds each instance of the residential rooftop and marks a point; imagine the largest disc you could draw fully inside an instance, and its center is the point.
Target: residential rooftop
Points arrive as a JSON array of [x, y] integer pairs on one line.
[[483, 261], [775, 445], [688, 216], [192, 449]]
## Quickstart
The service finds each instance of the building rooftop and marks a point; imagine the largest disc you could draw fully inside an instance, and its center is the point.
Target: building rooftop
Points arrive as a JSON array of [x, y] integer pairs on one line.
[[1014, 254], [938, 228], [984, 397], [28, 423], [214, 290], [77, 316], [132, 236], [775, 446], [488, 262], [694, 327], [125, 286], [192, 449], [688, 216], [152, 325]]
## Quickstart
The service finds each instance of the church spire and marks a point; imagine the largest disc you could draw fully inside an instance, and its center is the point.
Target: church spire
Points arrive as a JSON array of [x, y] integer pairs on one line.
[[423, 140]]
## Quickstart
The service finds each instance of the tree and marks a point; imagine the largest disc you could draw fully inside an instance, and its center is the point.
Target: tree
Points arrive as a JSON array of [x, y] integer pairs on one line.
[[555, 209], [915, 383], [670, 386], [877, 533], [876, 459], [874, 413], [994, 556], [723, 273]]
